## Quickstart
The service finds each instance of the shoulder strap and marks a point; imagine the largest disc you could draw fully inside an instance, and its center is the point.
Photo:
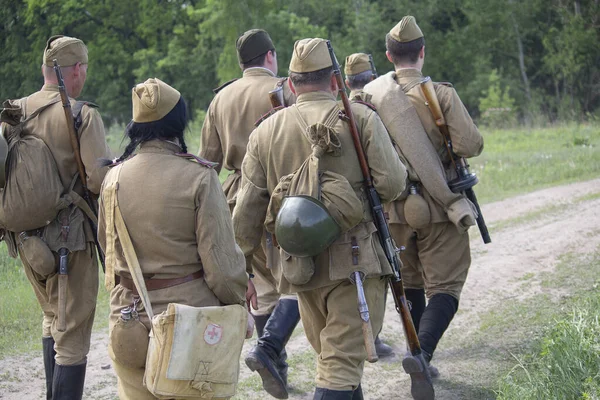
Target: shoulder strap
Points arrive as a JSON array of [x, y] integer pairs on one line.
[[223, 86], [116, 223], [412, 84]]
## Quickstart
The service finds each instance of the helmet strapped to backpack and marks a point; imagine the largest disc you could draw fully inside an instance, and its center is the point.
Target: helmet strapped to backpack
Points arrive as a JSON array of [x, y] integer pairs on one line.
[[304, 227]]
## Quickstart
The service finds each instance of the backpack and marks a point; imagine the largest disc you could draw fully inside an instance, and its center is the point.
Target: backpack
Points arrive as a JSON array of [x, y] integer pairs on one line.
[[33, 194]]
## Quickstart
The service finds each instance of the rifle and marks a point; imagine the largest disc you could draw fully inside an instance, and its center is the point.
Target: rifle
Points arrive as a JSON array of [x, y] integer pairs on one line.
[[378, 217], [421, 377], [373, 70], [80, 167], [466, 179]]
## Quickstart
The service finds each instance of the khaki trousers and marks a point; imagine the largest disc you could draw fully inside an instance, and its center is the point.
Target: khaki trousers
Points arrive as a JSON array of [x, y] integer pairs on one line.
[[334, 329], [437, 258], [265, 284], [73, 345]]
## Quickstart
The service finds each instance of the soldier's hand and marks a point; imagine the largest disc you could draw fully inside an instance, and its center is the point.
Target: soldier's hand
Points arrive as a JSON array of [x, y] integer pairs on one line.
[[251, 296]]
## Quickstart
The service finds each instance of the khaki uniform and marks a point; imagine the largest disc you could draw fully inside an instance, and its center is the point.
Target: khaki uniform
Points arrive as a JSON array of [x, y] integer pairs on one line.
[[229, 121], [72, 345], [328, 304], [437, 257], [179, 223]]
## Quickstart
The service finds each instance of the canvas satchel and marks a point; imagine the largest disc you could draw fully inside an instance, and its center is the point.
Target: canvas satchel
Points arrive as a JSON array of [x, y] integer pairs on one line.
[[193, 352]]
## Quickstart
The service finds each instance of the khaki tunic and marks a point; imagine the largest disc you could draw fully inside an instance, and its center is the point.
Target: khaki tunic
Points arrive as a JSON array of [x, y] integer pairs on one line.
[[72, 345], [438, 256], [179, 223], [277, 148], [229, 121]]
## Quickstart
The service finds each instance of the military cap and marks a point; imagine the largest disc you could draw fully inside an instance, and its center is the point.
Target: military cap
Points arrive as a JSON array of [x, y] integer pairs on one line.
[[66, 50], [357, 63], [406, 30], [252, 44], [152, 100], [310, 55]]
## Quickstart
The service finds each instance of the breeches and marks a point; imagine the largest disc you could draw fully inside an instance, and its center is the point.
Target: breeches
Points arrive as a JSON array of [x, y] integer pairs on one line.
[[437, 258], [334, 329], [265, 284], [72, 345]]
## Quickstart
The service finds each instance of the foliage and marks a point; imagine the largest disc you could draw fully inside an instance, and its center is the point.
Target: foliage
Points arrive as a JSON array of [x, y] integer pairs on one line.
[[566, 364], [546, 51], [497, 107]]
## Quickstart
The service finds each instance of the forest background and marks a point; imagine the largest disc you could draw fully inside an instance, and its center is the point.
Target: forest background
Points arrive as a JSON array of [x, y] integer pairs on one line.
[[511, 61]]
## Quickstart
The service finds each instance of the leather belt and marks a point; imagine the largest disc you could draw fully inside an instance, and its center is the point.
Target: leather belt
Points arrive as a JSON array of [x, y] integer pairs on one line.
[[155, 284]]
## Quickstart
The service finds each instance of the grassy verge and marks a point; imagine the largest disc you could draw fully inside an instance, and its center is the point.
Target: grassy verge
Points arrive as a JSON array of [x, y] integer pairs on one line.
[[20, 312], [518, 161], [554, 338]]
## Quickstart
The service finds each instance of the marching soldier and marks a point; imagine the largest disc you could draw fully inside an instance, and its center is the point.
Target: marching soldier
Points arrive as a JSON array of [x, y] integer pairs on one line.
[[65, 351], [434, 232], [358, 72], [279, 147], [183, 237], [231, 116]]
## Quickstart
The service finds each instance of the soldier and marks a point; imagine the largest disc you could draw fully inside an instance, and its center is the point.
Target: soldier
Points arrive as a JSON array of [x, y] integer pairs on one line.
[[437, 255], [359, 72], [278, 147], [183, 238], [231, 117], [65, 353]]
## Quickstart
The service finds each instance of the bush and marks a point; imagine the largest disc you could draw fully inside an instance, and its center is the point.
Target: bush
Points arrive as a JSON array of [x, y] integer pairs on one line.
[[497, 107]]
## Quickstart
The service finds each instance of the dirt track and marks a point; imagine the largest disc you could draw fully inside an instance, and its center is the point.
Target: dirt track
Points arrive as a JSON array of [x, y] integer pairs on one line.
[[555, 221]]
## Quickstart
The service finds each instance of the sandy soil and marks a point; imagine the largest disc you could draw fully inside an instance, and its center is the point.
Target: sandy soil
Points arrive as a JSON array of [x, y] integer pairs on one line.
[[555, 221]]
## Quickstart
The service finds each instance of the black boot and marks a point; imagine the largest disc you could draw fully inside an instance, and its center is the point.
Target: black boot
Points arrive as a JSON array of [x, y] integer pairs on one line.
[[265, 356], [49, 353], [435, 321], [416, 303], [382, 349], [259, 322], [68, 382], [358, 394], [328, 394]]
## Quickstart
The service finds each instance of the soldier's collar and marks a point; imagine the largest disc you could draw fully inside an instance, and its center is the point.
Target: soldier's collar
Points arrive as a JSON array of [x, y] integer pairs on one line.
[[258, 71], [315, 96], [408, 73], [50, 87], [159, 146]]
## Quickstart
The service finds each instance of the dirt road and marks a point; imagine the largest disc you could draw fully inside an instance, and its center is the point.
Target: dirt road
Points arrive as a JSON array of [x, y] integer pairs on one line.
[[529, 234]]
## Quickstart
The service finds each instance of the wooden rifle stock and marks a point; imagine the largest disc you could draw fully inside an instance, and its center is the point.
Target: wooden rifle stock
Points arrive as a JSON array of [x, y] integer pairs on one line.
[[75, 146], [379, 219], [465, 179], [276, 97]]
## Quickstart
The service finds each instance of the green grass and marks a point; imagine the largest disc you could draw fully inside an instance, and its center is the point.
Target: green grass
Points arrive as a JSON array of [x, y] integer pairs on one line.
[[20, 312], [559, 357], [522, 160]]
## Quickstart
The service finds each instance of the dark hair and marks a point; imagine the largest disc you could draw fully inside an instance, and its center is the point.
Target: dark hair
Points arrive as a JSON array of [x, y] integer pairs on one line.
[[257, 61], [358, 81], [319, 77], [170, 126], [403, 53]]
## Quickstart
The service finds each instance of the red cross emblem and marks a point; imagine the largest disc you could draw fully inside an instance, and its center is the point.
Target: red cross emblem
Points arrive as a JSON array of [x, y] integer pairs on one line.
[[213, 334]]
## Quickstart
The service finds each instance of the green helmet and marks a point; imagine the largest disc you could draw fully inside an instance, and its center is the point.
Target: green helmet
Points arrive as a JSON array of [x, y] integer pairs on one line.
[[3, 155], [304, 227]]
